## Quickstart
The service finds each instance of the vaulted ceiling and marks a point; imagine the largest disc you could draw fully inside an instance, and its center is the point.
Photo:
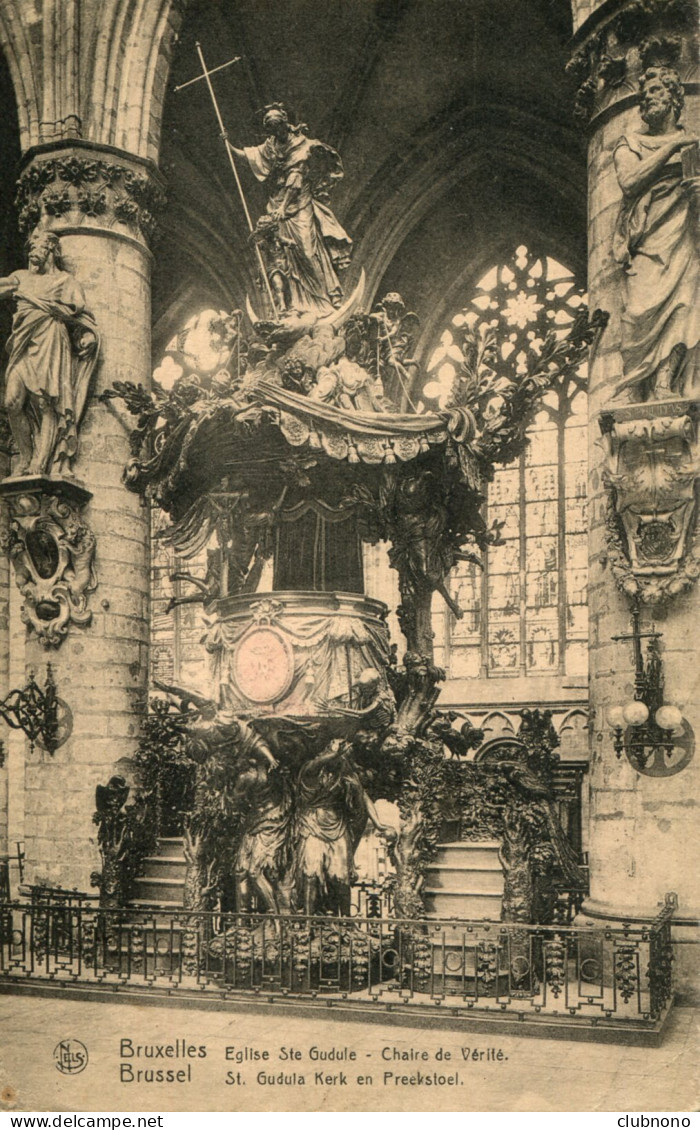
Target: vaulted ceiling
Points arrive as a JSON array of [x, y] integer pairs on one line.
[[453, 119]]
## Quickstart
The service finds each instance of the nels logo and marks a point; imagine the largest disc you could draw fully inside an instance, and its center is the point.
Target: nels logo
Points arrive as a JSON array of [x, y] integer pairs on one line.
[[70, 1057]]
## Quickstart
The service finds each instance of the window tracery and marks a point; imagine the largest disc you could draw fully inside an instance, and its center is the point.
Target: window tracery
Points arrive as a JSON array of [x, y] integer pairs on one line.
[[526, 613]]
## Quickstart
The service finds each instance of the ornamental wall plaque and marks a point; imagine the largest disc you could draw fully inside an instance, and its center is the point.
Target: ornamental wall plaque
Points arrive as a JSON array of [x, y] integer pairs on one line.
[[52, 550], [263, 665], [651, 471]]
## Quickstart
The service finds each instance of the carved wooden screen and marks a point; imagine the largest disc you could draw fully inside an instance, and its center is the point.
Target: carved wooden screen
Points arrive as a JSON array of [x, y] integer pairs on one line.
[[526, 613]]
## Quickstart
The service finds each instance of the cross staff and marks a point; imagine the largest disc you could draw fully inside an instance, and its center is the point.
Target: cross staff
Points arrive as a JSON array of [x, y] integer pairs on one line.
[[206, 75], [637, 636]]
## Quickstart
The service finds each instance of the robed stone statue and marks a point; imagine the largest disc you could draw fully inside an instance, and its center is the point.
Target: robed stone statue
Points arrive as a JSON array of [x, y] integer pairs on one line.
[[657, 243], [302, 243], [52, 352]]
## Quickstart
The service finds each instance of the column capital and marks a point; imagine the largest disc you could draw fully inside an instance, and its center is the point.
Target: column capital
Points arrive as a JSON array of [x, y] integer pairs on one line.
[[617, 40], [75, 186]]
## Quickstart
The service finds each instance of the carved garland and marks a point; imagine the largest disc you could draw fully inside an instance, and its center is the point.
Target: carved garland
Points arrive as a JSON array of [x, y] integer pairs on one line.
[[651, 590], [93, 188], [654, 27]]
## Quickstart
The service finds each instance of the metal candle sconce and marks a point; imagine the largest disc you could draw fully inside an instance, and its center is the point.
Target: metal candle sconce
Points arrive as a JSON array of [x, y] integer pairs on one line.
[[647, 729]]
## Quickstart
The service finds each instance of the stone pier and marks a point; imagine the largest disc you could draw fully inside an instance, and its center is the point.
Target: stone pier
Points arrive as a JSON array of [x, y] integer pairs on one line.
[[90, 82], [643, 829]]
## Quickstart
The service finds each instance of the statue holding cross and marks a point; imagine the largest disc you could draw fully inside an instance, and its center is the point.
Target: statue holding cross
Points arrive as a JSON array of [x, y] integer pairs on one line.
[[302, 242], [299, 244]]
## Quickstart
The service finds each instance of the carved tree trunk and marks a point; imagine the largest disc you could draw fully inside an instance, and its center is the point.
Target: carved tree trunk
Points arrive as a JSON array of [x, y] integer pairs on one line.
[[408, 902], [198, 874], [110, 882], [415, 709], [197, 889], [415, 618], [113, 850], [518, 891]]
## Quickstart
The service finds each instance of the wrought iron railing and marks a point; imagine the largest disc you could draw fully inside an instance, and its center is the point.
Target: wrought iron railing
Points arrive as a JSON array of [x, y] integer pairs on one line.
[[611, 975]]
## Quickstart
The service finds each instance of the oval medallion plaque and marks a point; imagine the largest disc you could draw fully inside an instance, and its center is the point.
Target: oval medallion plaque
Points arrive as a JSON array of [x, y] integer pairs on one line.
[[43, 552], [263, 665]]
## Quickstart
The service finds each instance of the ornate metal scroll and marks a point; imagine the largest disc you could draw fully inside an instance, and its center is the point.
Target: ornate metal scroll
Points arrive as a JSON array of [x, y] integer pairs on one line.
[[41, 715]]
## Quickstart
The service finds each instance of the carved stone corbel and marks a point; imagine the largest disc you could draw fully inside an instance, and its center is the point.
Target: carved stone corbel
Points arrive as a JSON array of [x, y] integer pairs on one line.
[[52, 550], [652, 466]]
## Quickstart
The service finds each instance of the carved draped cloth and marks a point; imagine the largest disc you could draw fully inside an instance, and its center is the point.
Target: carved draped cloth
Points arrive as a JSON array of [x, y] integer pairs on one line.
[[313, 240], [53, 350], [264, 844], [656, 242], [328, 652]]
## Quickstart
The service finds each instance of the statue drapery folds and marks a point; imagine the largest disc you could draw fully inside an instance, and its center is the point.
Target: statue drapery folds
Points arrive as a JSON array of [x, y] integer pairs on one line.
[[333, 810], [303, 244], [52, 352], [656, 243]]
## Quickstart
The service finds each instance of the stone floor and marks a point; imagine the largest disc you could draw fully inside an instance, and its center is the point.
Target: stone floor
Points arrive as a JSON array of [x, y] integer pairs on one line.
[[529, 1075]]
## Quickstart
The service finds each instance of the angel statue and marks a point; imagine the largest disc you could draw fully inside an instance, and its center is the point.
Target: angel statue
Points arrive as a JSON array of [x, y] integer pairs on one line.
[[302, 243]]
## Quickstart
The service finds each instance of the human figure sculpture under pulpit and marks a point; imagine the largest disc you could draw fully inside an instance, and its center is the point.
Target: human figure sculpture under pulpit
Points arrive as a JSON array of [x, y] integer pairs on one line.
[[332, 813]]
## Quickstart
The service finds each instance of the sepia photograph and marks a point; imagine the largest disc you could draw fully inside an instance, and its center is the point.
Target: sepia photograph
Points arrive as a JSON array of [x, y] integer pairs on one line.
[[349, 557]]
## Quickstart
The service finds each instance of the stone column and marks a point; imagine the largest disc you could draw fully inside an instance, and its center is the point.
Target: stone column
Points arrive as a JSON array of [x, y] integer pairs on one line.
[[643, 829], [90, 81], [100, 202], [4, 646]]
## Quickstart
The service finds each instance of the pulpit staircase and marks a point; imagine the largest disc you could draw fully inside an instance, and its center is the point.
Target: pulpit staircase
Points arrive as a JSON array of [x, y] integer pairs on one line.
[[465, 881], [162, 885], [163, 880]]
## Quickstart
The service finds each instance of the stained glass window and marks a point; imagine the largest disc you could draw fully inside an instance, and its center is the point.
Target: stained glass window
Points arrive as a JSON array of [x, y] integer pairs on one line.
[[526, 613]]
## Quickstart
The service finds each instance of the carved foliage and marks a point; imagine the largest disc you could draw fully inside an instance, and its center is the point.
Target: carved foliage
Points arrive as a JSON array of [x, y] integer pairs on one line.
[[125, 836], [243, 802], [507, 798], [651, 471], [190, 764], [166, 773], [646, 32], [87, 187], [503, 404], [52, 550]]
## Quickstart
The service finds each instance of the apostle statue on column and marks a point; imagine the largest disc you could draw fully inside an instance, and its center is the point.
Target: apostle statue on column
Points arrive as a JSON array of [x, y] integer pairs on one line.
[[657, 243], [52, 351]]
